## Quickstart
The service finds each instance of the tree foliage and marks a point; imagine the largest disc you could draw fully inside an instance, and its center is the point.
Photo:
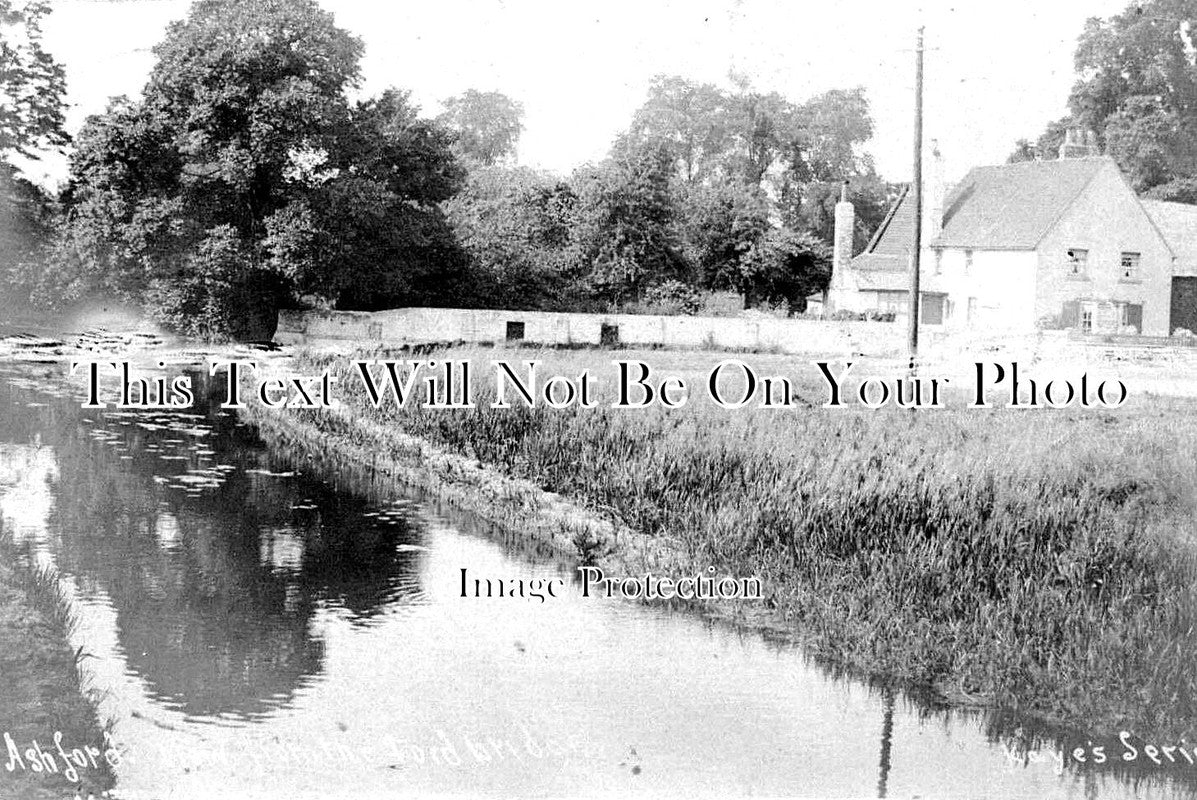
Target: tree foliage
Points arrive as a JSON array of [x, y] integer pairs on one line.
[[755, 136], [627, 214], [32, 89], [756, 175], [488, 125], [32, 83], [1137, 90], [243, 179], [516, 225], [784, 266], [1046, 147]]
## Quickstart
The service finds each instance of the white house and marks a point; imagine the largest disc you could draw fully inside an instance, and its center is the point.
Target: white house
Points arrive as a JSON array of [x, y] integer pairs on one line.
[[1037, 244]]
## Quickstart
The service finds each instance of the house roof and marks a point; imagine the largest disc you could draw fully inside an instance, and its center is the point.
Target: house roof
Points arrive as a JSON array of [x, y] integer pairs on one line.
[[892, 239], [1013, 206], [1178, 223]]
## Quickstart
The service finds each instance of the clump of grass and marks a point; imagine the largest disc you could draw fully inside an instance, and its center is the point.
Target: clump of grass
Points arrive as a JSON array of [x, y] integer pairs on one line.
[[41, 691], [1042, 561]]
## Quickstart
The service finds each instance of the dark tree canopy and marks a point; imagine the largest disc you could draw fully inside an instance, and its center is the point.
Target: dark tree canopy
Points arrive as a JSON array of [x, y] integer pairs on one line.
[[626, 222], [488, 125], [244, 180], [517, 227]]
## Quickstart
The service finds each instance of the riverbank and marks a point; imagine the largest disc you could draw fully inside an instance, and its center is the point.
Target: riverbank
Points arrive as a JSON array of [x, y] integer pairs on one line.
[[40, 693], [1035, 561]]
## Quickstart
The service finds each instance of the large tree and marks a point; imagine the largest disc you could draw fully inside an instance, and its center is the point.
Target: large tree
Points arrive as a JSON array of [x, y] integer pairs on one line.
[[627, 230], [32, 87], [755, 136], [32, 83], [754, 173], [517, 225], [243, 179], [1137, 90]]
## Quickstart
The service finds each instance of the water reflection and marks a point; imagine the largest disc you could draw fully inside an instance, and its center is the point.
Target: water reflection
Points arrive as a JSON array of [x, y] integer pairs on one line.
[[213, 565]]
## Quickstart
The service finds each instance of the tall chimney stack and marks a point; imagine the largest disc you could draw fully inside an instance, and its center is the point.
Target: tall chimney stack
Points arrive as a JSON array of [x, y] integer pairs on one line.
[[845, 229], [933, 191]]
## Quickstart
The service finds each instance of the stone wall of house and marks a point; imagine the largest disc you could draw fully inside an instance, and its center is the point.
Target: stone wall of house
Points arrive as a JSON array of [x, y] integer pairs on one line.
[[427, 325], [1106, 221]]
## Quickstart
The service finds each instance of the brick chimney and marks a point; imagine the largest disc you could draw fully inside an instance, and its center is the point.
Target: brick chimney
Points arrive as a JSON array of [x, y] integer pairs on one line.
[[1079, 143]]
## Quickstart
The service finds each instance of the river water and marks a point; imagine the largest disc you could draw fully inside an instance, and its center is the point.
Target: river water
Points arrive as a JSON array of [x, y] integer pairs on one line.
[[257, 624]]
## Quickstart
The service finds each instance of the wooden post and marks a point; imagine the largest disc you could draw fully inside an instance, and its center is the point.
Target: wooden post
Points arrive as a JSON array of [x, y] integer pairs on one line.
[[917, 199]]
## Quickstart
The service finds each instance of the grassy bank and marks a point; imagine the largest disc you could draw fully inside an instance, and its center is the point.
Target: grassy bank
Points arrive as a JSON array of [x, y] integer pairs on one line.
[[39, 689], [1042, 561]]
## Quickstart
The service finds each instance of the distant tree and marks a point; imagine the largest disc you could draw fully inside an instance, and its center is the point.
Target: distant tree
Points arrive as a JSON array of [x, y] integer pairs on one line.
[[830, 130], [1181, 190], [32, 83], [516, 226], [25, 226], [488, 125], [244, 180], [721, 220], [627, 215], [1046, 147], [815, 211], [784, 266], [693, 118], [749, 163], [32, 88], [1137, 90], [753, 135], [1147, 141]]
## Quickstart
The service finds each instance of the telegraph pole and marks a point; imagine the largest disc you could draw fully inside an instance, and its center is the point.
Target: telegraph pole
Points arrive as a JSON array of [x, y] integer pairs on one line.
[[917, 198]]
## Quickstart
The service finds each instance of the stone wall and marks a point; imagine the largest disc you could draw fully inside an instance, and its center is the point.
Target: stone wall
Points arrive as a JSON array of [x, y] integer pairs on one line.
[[426, 325]]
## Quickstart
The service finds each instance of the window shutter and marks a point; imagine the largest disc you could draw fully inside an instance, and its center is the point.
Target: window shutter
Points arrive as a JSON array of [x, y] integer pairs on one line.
[[1070, 314], [1134, 316]]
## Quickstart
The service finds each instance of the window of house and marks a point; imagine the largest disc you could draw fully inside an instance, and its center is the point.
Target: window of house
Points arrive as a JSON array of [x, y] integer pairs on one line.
[[938, 262], [1078, 261], [1131, 314], [1087, 320], [968, 260], [515, 331], [1129, 265], [972, 309]]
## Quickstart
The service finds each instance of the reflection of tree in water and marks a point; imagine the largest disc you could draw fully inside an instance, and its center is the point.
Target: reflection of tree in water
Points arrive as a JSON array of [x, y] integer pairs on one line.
[[215, 589]]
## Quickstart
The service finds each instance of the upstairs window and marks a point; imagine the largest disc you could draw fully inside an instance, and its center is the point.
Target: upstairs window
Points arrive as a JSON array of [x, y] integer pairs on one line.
[[968, 261], [938, 262], [1129, 266], [1078, 262]]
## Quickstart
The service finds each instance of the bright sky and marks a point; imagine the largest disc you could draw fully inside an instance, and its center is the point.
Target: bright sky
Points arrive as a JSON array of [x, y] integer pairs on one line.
[[995, 72]]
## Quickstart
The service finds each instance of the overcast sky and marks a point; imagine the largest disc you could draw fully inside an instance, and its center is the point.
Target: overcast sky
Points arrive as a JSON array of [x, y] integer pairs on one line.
[[996, 71]]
